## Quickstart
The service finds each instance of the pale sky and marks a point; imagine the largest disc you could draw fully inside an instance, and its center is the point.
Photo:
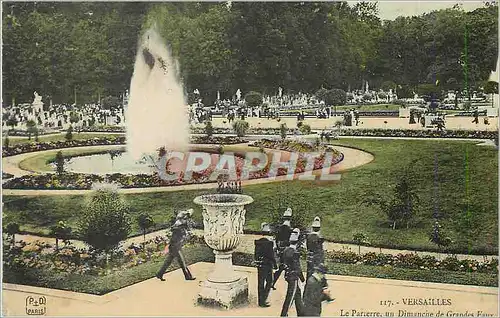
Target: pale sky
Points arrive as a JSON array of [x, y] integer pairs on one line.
[[390, 10]]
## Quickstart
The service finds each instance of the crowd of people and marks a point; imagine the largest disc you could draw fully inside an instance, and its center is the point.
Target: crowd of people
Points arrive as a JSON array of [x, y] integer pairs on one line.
[[272, 257]]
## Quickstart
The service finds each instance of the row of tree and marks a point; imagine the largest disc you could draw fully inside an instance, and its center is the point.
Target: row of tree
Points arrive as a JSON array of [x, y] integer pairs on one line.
[[82, 51]]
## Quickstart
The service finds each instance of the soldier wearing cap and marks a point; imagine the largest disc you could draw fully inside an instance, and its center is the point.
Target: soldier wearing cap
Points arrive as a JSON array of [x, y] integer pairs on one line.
[[180, 233], [316, 291], [293, 273], [282, 241], [315, 254], [265, 261]]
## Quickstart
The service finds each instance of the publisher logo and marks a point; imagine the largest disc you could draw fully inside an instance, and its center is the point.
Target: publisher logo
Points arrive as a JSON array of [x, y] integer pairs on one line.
[[36, 306]]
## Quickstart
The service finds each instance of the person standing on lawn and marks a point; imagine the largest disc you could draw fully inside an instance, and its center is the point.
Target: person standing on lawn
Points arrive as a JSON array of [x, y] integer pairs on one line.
[[180, 233]]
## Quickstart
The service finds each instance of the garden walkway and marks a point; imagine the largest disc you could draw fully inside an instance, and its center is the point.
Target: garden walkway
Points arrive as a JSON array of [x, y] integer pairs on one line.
[[352, 158], [176, 298], [247, 245]]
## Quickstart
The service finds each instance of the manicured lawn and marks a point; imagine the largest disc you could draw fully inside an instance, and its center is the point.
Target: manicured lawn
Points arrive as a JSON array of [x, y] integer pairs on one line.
[[468, 209], [59, 137]]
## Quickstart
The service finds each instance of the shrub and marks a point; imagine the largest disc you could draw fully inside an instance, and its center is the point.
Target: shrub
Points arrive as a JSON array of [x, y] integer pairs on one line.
[[69, 134], [321, 94], [59, 163], [253, 99], [145, 222], [12, 229], [30, 128], [209, 129], [359, 239], [305, 129], [104, 221], [60, 231], [335, 97], [6, 142], [283, 131], [240, 127], [491, 87]]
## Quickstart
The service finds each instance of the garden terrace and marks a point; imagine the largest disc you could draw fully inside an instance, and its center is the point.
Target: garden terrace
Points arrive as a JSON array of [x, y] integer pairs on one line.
[[339, 203]]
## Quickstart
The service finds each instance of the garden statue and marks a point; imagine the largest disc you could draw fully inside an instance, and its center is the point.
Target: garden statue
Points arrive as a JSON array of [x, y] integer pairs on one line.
[[223, 221]]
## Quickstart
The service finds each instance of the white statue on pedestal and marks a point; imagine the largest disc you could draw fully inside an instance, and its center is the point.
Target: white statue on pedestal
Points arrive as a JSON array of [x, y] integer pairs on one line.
[[37, 103]]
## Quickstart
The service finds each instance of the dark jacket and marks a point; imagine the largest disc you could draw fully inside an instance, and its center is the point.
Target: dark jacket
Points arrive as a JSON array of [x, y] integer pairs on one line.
[[264, 253], [314, 294], [179, 235], [315, 248], [283, 236], [291, 259]]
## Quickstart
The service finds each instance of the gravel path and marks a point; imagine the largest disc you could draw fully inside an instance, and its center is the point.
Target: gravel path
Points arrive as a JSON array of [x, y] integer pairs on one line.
[[247, 245]]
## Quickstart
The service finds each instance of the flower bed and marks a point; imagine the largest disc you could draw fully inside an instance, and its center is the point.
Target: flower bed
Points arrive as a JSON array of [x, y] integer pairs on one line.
[[79, 181], [70, 259], [250, 131], [466, 134], [413, 261], [225, 140], [102, 141], [24, 133], [107, 129], [50, 145]]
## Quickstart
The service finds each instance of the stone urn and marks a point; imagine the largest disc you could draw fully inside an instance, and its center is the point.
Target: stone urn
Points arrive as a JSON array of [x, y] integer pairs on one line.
[[223, 221]]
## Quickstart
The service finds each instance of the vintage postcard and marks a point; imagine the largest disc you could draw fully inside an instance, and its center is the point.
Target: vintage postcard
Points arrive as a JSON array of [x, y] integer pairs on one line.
[[334, 159]]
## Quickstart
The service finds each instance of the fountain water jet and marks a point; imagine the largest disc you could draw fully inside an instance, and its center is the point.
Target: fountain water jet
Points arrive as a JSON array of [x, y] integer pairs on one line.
[[156, 115]]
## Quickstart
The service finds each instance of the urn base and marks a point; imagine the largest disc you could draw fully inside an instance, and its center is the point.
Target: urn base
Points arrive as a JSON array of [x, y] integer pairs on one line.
[[223, 295]]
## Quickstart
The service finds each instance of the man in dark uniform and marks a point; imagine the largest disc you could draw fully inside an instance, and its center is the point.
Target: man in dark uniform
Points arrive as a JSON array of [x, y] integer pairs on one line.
[[282, 241], [265, 261], [315, 254], [180, 232], [315, 292], [293, 272]]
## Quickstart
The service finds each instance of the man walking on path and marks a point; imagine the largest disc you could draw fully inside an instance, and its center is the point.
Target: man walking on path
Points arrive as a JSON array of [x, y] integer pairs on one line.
[[282, 241], [180, 232], [315, 253], [293, 272], [265, 260], [315, 292]]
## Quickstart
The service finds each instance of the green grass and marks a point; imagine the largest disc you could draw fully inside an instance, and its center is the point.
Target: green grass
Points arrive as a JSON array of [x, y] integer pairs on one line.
[[436, 276], [41, 162], [59, 137], [338, 203], [100, 285]]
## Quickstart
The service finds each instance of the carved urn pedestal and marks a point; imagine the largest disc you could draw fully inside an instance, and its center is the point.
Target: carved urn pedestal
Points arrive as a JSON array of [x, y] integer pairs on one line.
[[223, 221]]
